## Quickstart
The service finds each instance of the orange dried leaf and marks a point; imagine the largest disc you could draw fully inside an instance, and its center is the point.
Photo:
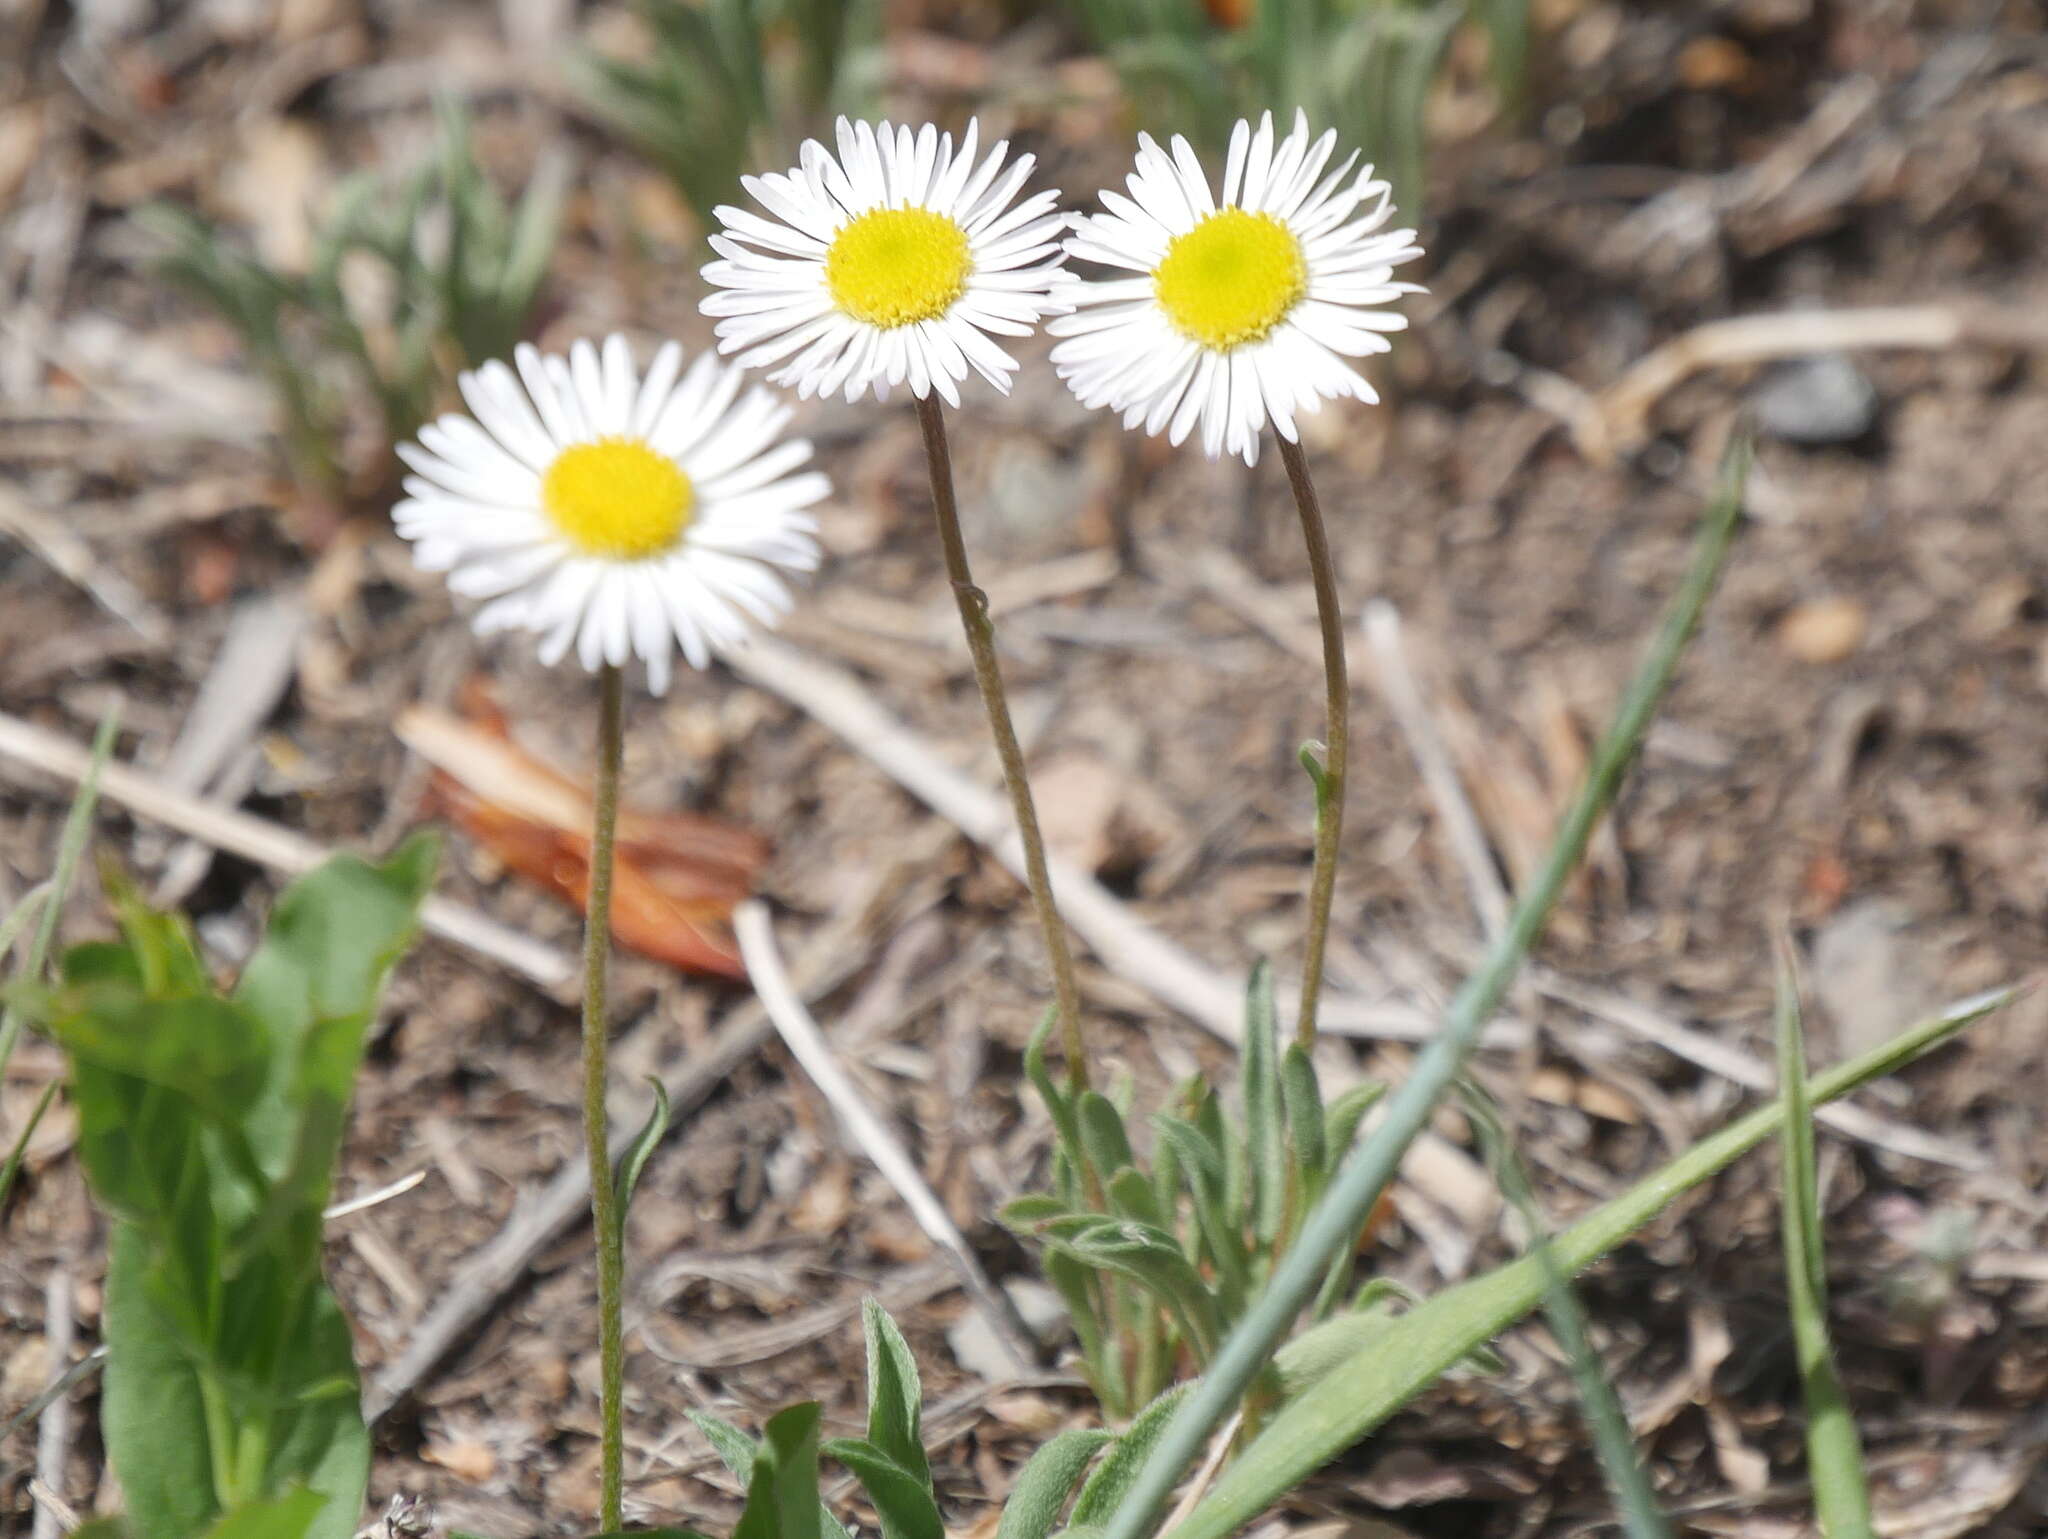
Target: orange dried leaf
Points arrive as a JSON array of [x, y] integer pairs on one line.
[[676, 876]]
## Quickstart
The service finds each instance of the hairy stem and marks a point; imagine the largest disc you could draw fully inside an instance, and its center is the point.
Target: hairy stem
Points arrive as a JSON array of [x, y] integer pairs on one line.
[[981, 644], [596, 1131], [1322, 887]]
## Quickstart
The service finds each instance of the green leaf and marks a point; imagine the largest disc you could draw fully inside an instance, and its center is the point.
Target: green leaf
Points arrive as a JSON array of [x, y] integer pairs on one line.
[[1359, 1182], [782, 1489], [1041, 1491], [1302, 1098], [1311, 756], [115, 1528], [1024, 1214], [1834, 1451], [11, 1169], [1395, 1361], [651, 1133], [895, 1398], [1264, 1138], [1111, 1483], [736, 1451], [288, 1517], [1346, 1112], [902, 1497], [1132, 1196], [1147, 1256], [50, 910], [218, 1320], [1102, 1133]]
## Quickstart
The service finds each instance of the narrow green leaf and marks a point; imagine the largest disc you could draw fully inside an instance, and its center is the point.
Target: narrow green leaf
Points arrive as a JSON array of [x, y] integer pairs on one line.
[[1612, 1440], [1103, 1138], [1311, 756], [1834, 1451], [1394, 1364], [902, 1498], [1132, 1196], [735, 1451], [1336, 1220], [1041, 1491], [1265, 1139], [1025, 1214], [1302, 1099], [70, 850], [895, 1397], [1346, 1112], [1113, 1478], [12, 1168], [651, 1133]]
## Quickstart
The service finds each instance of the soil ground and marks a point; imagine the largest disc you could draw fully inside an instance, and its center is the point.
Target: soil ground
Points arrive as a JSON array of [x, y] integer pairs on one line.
[[1857, 747]]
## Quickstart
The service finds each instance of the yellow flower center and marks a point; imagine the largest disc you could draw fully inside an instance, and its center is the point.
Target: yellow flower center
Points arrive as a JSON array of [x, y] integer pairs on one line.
[[1231, 279], [617, 499], [896, 266]]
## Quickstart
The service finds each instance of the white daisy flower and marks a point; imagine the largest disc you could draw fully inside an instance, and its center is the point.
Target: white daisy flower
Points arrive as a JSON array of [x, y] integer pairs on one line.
[[894, 262], [1245, 308], [627, 516]]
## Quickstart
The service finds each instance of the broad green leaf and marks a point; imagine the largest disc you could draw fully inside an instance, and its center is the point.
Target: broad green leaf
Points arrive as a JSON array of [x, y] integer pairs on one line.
[[735, 1451], [1041, 1492], [1106, 1488], [895, 1398], [150, 1384], [287, 1517], [782, 1491], [1395, 1361], [902, 1497], [1834, 1451]]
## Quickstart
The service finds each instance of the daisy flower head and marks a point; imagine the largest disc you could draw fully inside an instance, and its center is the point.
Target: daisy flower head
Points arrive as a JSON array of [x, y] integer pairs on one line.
[[898, 260], [1237, 310], [625, 516]]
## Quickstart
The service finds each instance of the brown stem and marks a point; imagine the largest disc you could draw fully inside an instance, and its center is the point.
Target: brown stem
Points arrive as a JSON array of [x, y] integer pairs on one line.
[[1330, 800], [981, 645], [596, 1134]]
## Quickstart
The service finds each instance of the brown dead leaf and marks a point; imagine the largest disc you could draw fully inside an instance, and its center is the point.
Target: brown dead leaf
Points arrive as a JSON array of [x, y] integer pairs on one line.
[[676, 876], [468, 1461]]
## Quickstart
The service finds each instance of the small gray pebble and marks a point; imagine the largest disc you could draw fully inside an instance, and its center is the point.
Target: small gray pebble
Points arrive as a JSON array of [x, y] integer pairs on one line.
[[1820, 400]]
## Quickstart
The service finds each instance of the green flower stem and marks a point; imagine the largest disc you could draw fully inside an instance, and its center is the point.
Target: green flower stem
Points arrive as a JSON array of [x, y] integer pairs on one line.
[[981, 645], [1336, 1219], [1322, 888], [596, 1132]]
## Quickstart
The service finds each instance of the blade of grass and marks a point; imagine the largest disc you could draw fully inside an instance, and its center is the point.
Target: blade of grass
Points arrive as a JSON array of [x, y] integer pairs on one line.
[[1357, 1372], [12, 1168], [1612, 1440], [1364, 1176], [1834, 1452], [70, 850]]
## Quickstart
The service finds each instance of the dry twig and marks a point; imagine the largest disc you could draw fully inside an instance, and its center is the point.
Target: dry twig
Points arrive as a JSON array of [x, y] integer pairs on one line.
[[807, 1044]]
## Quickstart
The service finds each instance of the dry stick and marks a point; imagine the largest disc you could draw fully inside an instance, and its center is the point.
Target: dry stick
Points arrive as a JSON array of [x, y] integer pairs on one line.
[[1433, 762], [53, 1435], [756, 932], [981, 645], [1337, 748], [596, 1136], [1126, 944], [265, 843]]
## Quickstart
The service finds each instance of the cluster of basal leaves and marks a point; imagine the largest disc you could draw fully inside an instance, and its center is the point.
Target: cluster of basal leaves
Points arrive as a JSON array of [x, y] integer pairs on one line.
[[1364, 67], [1156, 1264], [448, 276]]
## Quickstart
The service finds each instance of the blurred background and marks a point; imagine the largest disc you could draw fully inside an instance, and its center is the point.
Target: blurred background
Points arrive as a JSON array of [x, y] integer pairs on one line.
[[244, 247]]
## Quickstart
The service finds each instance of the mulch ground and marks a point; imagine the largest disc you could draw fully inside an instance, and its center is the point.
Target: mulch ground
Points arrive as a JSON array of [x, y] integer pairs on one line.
[[1857, 749]]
